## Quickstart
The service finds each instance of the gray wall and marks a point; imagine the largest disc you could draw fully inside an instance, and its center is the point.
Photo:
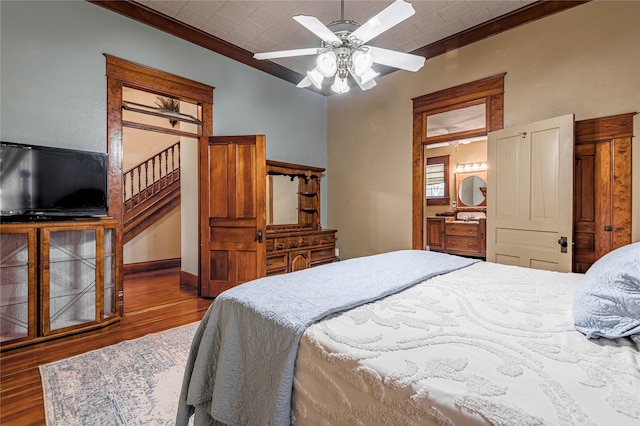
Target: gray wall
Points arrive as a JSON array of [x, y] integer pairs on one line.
[[53, 85]]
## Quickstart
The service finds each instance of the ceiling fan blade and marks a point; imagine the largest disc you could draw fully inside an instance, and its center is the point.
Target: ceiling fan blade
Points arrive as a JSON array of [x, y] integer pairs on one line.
[[314, 25], [364, 86], [395, 13], [305, 82], [391, 58], [287, 53]]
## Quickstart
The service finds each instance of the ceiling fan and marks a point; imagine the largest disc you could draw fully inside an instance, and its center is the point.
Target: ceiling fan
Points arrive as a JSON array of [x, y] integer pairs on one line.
[[343, 51]]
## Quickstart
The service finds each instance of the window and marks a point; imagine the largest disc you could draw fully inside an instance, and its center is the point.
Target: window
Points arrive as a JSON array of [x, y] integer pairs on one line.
[[437, 181]]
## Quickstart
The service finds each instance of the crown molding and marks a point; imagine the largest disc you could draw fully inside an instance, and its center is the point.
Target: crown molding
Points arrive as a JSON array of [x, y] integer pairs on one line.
[[148, 16]]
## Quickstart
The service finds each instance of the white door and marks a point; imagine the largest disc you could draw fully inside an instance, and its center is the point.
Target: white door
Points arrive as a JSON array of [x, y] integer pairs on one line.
[[530, 195]]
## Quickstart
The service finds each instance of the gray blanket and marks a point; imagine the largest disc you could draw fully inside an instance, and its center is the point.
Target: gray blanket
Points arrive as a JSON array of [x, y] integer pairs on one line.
[[241, 365]]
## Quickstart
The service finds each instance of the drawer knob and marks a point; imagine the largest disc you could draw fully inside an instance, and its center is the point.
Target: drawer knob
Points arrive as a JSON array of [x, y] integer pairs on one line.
[[269, 262], [322, 253]]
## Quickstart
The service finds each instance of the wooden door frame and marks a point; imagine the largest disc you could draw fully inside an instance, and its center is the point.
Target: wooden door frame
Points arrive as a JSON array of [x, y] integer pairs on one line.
[[489, 90], [123, 73]]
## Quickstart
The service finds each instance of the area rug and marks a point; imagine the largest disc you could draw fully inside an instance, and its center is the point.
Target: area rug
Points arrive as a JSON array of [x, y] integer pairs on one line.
[[135, 382]]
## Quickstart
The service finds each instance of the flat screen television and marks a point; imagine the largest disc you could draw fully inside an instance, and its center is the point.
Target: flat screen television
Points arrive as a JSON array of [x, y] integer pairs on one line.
[[46, 183]]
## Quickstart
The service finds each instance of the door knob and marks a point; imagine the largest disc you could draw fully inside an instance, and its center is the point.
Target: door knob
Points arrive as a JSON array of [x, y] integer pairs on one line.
[[259, 236], [563, 244]]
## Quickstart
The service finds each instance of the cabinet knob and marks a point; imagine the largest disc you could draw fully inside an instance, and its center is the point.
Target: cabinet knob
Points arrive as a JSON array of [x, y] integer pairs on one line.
[[269, 262]]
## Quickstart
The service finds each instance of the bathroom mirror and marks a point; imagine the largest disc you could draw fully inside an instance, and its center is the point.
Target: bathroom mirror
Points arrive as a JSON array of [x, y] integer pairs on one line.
[[471, 189]]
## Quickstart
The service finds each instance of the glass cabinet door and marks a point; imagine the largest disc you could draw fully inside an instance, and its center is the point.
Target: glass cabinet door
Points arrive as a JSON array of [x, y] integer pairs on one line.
[[17, 284], [69, 278]]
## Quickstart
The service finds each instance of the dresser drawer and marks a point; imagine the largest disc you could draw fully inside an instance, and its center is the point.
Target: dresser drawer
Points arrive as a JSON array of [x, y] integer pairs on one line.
[[461, 244], [463, 229], [277, 261], [323, 253], [277, 264], [326, 238], [286, 243]]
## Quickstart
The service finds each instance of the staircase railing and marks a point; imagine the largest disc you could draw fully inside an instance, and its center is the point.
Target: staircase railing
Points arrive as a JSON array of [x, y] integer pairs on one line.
[[150, 177]]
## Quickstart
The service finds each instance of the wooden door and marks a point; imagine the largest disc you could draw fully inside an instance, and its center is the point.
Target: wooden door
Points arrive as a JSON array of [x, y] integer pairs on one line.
[[529, 195], [602, 182], [232, 212], [299, 261]]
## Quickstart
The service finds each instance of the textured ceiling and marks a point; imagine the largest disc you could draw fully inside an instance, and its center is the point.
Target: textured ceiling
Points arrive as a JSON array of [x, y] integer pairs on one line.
[[263, 26]]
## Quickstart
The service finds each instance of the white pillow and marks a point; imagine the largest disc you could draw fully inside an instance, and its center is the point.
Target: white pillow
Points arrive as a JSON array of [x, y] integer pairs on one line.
[[607, 301]]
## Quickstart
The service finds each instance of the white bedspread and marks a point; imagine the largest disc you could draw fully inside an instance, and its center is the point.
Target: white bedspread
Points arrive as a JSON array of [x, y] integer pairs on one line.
[[241, 365], [486, 344]]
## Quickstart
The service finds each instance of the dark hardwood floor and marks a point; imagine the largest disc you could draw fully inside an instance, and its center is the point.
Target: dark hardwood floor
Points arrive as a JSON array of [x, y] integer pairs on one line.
[[153, 302]]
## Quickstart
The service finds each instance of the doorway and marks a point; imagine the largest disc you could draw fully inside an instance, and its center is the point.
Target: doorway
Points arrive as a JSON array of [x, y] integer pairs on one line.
[[448, 119], [124, 76]]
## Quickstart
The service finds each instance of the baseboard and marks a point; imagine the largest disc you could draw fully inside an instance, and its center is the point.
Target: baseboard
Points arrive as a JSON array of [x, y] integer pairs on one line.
[[151, 266], [189, 279]]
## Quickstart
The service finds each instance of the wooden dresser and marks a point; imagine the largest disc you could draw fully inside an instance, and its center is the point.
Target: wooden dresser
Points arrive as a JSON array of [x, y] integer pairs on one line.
[[294, 246], [457, 237], [290, 250]]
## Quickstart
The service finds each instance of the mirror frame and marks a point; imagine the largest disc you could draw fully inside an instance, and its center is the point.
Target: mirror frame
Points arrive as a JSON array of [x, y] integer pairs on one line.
[[460, 177], [311, 219]]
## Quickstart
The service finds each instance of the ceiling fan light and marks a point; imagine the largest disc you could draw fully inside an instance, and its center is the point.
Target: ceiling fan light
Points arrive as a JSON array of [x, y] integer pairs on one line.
[[340, 85], [362, 62], [316, 77], [326, 64], [369, 75]]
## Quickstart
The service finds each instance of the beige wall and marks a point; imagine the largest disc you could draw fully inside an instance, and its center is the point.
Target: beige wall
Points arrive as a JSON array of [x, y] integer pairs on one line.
[[159, 241], [585, 61]]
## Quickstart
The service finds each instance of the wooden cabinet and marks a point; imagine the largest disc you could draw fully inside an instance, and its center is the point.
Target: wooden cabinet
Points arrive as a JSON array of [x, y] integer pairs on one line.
[[457, 237], [435, 233], [602, 188], [58, 278], [290, 250]]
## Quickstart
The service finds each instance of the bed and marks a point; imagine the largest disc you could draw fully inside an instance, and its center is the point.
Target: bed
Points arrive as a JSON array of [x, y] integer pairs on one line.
[[418, 338]]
